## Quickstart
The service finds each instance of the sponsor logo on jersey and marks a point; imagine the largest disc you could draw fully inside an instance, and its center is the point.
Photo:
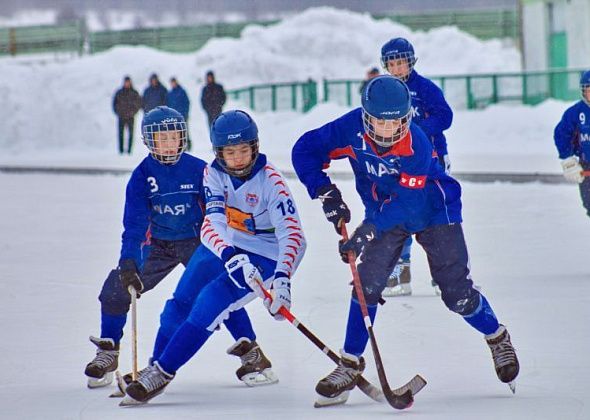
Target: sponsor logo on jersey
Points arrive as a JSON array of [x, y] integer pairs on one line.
[[415, 112], [380, 170], [252, 199], [187, 186], [177, 210], [585, 137]]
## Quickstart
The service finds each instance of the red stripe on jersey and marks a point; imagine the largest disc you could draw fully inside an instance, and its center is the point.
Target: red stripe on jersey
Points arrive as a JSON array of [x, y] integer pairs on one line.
[[295, 240], [293, 227], [291, 219], [280, 183], [414, 182], [292, 256], [287, 263], [402, 148], [342, 152], [285, 193], [294, 248]]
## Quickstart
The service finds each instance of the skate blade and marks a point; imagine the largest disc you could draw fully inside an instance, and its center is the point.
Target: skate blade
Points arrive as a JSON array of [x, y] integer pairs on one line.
[[328, 402], [512, 386], [121, 385], [395, 292], [107, 379], [266, 377], [127, 401]]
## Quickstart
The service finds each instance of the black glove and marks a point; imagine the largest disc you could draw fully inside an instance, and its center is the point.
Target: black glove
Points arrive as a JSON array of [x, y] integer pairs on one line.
[[335, 209], [129, 276], [363, 234]]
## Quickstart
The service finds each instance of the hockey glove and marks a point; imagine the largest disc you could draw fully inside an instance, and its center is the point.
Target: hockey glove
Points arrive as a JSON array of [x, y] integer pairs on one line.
[[129, 276], [363, 234], [242, 272], [572, 170], [280, 291], [334, 207], [446, 164]]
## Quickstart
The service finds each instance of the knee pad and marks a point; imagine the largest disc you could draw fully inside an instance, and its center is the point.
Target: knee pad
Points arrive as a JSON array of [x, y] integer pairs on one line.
[[462, 302], [113, 297]]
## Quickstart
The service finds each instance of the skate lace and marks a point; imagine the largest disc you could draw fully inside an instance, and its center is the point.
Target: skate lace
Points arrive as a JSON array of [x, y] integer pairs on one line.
[[152, 379], [503, 353], [251, 357], [105, 358], [342, 375]]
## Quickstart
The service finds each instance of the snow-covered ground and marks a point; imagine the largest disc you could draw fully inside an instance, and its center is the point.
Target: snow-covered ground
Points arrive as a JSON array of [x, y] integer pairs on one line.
[[528, 248]]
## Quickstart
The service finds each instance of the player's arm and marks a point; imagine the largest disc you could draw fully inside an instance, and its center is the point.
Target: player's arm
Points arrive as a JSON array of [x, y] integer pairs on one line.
[[566, 133], [136, 218], [439, 114], [291, 240]]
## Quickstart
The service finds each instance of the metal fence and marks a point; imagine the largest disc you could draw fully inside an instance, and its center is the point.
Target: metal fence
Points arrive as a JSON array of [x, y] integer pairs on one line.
[[73, 36], [296, 96], [478, 91]]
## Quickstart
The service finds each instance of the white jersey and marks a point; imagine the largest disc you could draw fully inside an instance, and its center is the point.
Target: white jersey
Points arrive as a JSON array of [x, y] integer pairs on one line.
[[258, 216]]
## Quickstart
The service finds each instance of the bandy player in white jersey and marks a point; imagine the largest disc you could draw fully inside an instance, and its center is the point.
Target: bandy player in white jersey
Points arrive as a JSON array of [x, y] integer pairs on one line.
[[251, 233]]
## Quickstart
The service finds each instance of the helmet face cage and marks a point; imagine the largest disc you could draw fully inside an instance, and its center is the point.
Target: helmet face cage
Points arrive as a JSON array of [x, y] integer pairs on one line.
[[398, 132], [239, 173], [166, 141], [406, 57]]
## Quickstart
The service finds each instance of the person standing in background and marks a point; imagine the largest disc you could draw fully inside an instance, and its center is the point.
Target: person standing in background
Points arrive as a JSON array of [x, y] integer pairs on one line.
[[126, 103], [212, 97], [371, 74], [178, 99], [154, 95]]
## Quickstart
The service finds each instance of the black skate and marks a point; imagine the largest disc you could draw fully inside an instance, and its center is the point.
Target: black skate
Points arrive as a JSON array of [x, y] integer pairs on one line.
[[505, 361], [151, 382], [335, 388], [100, 370], [399, 280], [256, 368]]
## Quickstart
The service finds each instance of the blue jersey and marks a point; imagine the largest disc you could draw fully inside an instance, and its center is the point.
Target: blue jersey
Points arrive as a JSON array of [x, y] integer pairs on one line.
[[404, 186], [164, 202], [430, 110], [572, 134]]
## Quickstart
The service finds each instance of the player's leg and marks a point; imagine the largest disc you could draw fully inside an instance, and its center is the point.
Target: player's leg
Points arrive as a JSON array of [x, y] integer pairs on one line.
[[377, 261], [449, 266], [212, 306], [585, 191], [399, 280]]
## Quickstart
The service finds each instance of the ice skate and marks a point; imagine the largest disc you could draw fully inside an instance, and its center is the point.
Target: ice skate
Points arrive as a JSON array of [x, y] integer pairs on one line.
[[256, 369], [399, 280], [335, 388], [100, 370], [505, 360], [151, 382]]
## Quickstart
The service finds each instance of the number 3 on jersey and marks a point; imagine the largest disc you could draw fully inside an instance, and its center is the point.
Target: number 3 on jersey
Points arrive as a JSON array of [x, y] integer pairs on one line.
[[286, 207]]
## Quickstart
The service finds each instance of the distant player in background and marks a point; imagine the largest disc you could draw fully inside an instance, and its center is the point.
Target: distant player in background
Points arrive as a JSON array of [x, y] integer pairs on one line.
[[251, 233], [126, 103], [404, 191], [432, 113], [163, 217], [572, 139]]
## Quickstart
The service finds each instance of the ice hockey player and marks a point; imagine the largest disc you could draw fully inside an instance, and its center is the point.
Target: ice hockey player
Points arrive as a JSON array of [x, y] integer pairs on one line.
[[432, 113], [572, 139], [163, 216], [251, 233], [404, 191]]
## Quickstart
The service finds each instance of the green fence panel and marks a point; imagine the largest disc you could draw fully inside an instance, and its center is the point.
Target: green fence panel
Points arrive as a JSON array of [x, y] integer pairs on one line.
[[68, 37], [297, 96]]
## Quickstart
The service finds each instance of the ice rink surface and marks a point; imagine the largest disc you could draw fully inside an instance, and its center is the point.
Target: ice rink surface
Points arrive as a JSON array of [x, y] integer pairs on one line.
[[60, 236]]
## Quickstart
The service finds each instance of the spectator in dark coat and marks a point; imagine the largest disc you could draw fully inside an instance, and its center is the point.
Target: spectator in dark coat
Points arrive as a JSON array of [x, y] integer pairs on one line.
[[212, 98], [126, 103], [371, 74], [178, 100], [154, 95]]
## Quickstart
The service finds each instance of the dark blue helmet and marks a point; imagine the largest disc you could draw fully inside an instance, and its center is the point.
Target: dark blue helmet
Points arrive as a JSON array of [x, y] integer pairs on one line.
[[163, 131], [232, 128], [398, 49], [585, 86], [387, 110]]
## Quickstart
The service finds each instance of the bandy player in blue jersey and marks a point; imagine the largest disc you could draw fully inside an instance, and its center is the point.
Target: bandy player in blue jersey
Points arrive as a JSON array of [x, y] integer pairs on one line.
[[251, 233], [432, 113], [405, 192], [163, 217], [572, 139]]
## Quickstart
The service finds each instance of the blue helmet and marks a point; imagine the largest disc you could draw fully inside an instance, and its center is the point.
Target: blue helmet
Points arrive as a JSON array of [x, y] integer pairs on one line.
[[163, 130], [387, 108], [232, 128], [398, 49], [585, 86]]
